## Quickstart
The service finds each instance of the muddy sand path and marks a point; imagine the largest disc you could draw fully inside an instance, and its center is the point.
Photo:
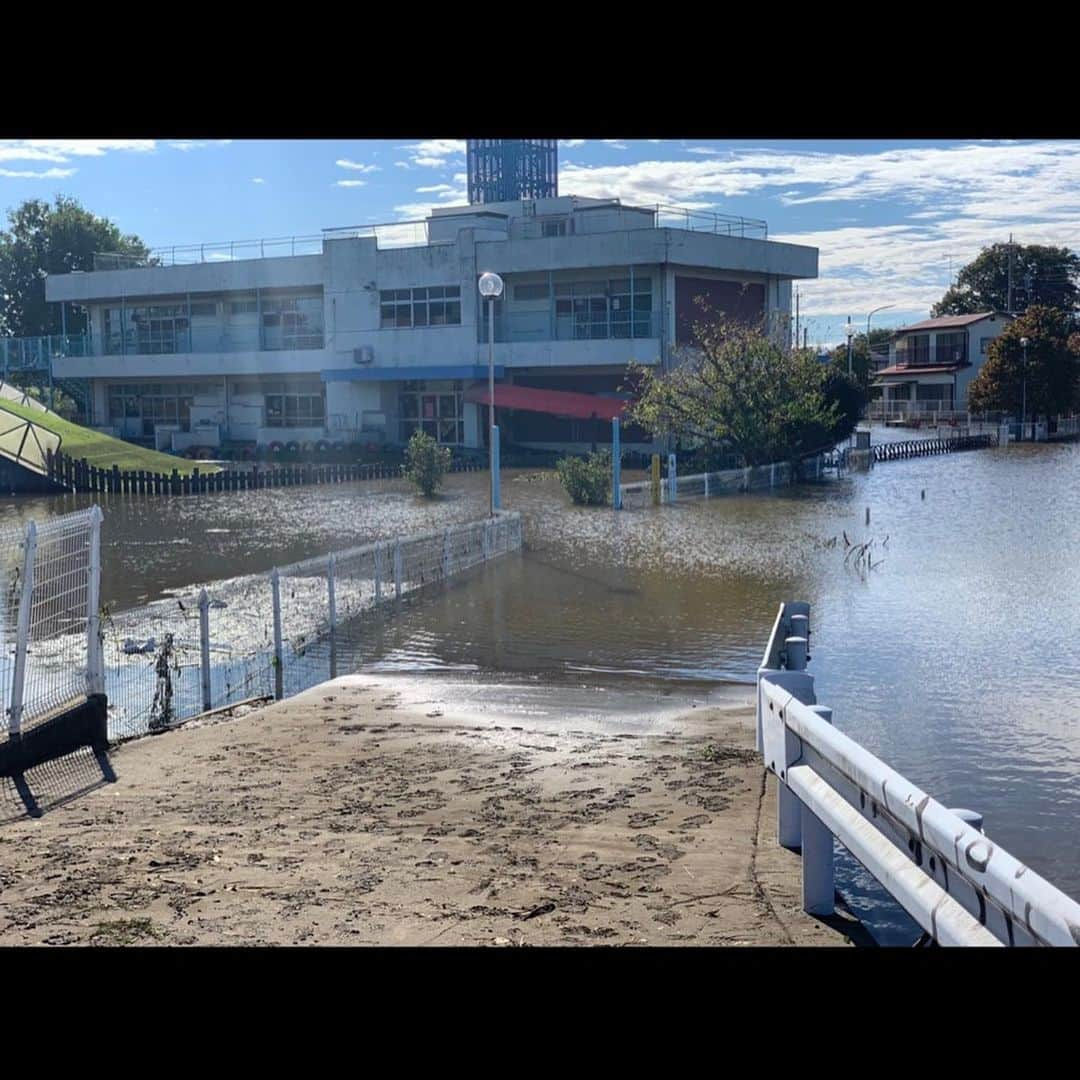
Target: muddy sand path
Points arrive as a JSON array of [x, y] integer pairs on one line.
[[343, 816]]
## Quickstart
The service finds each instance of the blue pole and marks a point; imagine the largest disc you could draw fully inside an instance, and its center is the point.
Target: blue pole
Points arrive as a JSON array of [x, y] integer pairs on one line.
[[616, 465], [496, 493], [673, 492]]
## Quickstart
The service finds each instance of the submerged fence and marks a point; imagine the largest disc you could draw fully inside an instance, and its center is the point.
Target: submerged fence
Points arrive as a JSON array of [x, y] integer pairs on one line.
[[724, 482], [50, 656], [940, 866], [77, 474], [896, 451], [275, 634]]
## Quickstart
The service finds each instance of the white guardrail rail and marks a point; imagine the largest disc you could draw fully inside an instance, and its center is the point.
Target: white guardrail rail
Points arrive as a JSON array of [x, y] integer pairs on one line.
[[959, 886]]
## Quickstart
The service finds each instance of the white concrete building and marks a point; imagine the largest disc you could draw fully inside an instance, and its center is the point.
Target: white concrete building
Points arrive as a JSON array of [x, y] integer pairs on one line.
[[931, 363], [366, 334]]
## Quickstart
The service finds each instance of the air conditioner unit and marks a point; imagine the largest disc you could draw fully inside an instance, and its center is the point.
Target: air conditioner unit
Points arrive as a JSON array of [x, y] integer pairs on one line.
[[365, 354]]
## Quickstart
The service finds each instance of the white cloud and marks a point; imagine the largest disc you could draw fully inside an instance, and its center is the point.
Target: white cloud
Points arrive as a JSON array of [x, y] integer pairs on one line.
[[708, 150], [570, 144], [434, 153], [29, 174], [350, 183], [62, 151], [345, 163], [257, 180], [937, 201], [187, 145], [433, 189], [402, 164], [615, 144]]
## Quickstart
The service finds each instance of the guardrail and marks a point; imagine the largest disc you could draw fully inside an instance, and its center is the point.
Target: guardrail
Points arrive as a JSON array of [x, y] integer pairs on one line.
[[953, 880]]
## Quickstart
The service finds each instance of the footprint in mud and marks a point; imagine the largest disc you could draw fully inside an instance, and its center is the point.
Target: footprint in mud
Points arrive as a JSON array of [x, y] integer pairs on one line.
[[696, 821], [650, 843], [642, 820]]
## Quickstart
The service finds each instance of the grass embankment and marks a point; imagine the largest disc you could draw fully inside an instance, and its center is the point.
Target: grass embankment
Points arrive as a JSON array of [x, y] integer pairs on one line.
[[102, 451]]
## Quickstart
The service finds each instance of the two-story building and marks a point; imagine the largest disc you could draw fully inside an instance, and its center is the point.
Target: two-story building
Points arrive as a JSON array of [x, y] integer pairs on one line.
[[931, 364], [372, 333]]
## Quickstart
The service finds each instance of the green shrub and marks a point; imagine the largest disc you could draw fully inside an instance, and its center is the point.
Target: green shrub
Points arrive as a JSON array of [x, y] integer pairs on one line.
[[587, 480], [426, 463]]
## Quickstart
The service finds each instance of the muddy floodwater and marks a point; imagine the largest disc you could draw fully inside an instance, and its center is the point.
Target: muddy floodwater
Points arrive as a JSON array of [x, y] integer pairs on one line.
[[956, 658]]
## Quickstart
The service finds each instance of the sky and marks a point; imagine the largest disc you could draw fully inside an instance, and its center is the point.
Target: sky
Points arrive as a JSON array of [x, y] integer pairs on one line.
[[893, 221]]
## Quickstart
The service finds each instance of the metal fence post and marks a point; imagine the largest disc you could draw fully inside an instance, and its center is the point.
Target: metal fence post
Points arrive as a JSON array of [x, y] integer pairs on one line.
[[788, 807], [818, 878], [204, 648], [22, 639], [656, 479], [333, 616], [616, 465], [397, 569], [275, 591], [446, 553], [378, 575], [706, 485], [95, 658], [673, 481]]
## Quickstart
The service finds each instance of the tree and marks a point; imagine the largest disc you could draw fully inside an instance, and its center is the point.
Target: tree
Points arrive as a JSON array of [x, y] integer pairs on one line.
[[426, 462], [862, 361], [587, 480], [1047, 276], [740, 390], [1052, 372], [43, 239]]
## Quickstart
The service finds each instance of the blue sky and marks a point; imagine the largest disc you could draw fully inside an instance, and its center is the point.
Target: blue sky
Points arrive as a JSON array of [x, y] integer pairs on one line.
[[889, 218]]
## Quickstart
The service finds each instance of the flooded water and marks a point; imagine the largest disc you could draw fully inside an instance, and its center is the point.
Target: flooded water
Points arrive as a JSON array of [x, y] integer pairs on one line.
[[956, 659]]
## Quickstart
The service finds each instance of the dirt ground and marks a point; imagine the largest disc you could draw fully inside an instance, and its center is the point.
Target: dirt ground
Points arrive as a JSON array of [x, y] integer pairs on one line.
[[343, 816]]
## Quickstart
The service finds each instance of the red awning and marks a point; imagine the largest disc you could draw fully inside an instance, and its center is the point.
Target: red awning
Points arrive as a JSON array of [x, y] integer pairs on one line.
[[554, 402]]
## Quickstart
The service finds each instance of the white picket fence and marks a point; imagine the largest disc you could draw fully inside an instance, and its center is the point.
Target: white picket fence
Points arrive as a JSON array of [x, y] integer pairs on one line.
[[957, 884], [50, 647]]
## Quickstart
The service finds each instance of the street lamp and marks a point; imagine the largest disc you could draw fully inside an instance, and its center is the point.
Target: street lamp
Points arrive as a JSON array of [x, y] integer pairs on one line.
[[1023, 407], [491, 287], [850, 331]]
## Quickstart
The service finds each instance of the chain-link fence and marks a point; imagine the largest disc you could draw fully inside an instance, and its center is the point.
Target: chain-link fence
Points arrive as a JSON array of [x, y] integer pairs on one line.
[[48, 654], [273, 635]]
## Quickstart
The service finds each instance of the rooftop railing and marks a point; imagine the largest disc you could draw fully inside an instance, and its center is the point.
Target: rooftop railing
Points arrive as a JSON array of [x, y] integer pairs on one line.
[[416, 234]]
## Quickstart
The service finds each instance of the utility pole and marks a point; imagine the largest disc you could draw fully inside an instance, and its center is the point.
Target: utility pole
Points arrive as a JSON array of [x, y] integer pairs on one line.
[[1009, 300], [805, 336], [796, 318]]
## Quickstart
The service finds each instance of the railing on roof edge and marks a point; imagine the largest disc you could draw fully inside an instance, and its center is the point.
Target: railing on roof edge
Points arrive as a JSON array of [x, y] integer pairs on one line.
[[394, 234]]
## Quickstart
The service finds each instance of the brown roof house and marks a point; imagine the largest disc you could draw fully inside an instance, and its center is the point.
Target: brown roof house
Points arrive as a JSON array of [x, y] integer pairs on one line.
[[932, 363]]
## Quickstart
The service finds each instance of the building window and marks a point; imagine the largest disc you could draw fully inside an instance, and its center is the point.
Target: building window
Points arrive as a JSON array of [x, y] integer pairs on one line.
[[587, 310], [553, 228], [984, 344], [244, 307], [434, 408], [139, 407], [147, 329], [950, 348], [433, 305], [292, 322], [295, 410], [204, 307], [538, 291], [913, 350]]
